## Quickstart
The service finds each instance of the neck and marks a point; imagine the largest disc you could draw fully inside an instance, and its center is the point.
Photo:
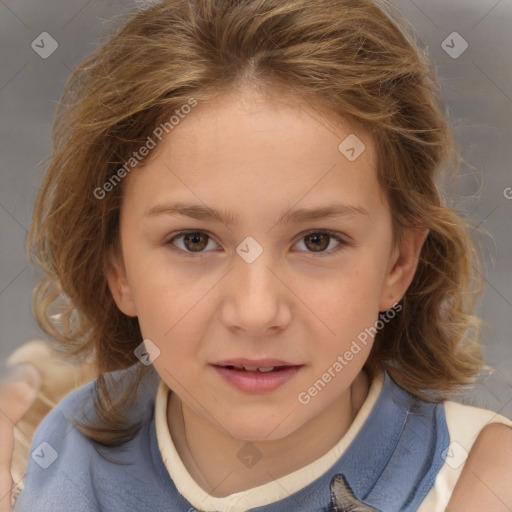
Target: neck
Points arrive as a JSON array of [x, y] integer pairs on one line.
[[203, 448]]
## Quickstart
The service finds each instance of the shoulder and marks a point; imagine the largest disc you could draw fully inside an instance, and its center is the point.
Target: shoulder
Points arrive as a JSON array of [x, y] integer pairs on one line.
[[56, 463], [53, 467], [466, 423], [64, 466], [487, 474], [473, 434]]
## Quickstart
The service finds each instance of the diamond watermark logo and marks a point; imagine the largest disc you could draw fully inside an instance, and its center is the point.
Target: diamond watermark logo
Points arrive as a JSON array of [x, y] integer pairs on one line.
[[249, 250], [455, 455], [147, 352], [44, 455], [249, 455], [454, 45], [352, 147], [44, 45]]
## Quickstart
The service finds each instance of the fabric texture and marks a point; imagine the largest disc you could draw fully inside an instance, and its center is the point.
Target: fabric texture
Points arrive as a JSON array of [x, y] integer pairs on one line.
[[263, 494], [390, 465], [464, 424]]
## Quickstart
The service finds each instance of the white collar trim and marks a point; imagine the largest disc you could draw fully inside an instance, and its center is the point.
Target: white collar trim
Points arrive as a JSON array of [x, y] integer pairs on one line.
[[262, 495]]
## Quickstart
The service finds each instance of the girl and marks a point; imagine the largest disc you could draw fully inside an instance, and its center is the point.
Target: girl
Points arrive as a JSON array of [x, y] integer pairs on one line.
[[241, 223]]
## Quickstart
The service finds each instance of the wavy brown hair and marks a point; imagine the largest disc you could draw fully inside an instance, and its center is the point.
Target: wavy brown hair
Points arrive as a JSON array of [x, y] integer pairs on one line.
[[355, 59]]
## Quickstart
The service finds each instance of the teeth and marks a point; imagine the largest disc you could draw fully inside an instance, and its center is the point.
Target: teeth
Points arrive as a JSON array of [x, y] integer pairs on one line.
[[254, 368]]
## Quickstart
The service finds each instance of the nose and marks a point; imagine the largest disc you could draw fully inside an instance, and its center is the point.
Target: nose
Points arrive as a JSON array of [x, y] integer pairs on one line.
[[256, 298]]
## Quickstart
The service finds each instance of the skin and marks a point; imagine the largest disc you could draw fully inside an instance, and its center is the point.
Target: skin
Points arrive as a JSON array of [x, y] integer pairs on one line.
[[18, 390], [254, 314], [484, 483], [257, 158]]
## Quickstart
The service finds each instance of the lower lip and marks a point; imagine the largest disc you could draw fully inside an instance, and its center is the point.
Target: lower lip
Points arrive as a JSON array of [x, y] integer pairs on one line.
[[257, 382]]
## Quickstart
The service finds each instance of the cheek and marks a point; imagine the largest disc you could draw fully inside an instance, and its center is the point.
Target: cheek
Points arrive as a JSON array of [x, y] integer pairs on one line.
[[164, 295], [342, 312], [167, 314], [174, 312], [350, 296]]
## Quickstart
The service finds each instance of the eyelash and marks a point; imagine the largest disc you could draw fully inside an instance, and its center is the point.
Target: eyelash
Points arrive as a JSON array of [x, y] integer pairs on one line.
[[342, 242]]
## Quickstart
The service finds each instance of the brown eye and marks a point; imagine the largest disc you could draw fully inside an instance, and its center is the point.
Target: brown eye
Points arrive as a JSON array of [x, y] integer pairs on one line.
[[190, 242], [195, 242], [318, 242], [322, 243]]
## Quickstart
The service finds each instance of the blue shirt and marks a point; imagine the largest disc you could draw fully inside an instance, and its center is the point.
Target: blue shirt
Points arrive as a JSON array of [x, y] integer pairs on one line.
[[389, 467]]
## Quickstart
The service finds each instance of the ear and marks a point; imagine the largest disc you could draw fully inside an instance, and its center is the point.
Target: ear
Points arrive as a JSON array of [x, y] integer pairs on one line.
[[403, 264], [118, 284]]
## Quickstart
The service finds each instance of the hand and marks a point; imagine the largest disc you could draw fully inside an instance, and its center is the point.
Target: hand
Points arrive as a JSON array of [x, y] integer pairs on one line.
[[18, 390]]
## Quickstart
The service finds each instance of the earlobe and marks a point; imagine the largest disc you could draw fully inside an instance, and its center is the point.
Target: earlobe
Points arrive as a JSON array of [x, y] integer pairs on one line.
[[118, 285], [403, 265]]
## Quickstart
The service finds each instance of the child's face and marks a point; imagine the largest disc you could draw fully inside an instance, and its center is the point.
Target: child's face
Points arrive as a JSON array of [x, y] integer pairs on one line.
[[257, 161]]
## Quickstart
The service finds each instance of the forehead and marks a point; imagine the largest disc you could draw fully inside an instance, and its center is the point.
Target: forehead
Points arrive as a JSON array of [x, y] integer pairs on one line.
[[247, 151], [248, 124]]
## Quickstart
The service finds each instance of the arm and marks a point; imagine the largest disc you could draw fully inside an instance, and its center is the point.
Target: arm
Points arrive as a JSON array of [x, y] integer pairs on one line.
[[485, 481], [17, 393], [37, 379]]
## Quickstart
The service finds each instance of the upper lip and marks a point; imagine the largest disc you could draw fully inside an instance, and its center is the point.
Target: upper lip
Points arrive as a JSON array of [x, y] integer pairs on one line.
[[257, 363]]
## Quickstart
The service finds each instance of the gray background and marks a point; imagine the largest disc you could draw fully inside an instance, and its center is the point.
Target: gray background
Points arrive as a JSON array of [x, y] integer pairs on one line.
[[476, 86]]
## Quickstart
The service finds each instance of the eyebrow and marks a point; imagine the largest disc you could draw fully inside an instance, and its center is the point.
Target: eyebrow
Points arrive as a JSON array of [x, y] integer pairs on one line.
[[201, 212]]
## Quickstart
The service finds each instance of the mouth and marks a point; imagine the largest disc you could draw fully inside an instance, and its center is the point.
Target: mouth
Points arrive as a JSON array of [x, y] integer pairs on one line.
[[254, 364], [256, 376], [253, 369]]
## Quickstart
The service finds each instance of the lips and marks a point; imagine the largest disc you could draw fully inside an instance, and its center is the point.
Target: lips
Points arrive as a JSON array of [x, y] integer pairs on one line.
[[256, 375]]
